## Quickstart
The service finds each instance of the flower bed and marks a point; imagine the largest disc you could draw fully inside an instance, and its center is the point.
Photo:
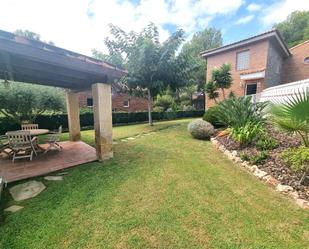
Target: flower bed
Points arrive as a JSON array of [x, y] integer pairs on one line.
[[272, 169]]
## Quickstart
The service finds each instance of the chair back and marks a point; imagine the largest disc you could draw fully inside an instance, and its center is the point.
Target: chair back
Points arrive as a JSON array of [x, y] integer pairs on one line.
[[27, 127], [60, 129], [19, 138], [3, 140]]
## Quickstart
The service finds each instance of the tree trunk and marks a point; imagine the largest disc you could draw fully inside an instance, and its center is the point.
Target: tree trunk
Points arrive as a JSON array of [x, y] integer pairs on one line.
[[150, 108], [223, 93]]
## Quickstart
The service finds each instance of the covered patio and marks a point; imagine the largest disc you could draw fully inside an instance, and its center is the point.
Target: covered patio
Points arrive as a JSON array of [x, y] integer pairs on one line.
[[35, 62]]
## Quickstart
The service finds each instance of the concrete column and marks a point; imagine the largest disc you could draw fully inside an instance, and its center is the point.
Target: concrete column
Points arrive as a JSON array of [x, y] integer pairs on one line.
[[102, 112], [73, 115]]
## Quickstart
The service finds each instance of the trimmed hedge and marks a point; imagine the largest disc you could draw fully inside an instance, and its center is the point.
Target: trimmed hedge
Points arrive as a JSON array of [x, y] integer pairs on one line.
[[52, 122]]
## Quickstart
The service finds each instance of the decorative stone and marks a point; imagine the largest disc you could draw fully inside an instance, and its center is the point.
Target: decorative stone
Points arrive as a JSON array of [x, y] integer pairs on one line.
[[271, 180], [53, 178], [234, 153], [13, 208], [26, 190], [223, 133], [283, 188], [294, 195], [221, 148], [237, 159], [260, 173], [253, 168], [302, 203], [245, 164]]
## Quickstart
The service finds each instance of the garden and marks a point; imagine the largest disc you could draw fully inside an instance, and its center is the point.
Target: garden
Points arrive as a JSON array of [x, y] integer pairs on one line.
[[163, 190], [274, 138]]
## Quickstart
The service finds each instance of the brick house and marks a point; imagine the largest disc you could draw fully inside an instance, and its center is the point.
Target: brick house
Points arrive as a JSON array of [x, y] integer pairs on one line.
[[259, 62], [120, 102]]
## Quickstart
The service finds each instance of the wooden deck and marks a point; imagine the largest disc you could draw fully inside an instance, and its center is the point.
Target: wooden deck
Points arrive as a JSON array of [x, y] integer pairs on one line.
[[73, 154]]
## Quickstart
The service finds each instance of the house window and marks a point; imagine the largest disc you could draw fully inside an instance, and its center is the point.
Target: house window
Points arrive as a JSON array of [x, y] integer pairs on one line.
[[242, 60], [89, 102], [126, 103], [251, 89], [306, 60]]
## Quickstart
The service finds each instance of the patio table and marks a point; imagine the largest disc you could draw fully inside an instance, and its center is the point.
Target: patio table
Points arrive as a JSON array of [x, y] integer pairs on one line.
[[38, 132]]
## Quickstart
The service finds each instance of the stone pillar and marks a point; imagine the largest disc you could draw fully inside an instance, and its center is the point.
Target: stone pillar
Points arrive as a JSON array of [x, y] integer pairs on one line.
[[73, 115], [102, 112]]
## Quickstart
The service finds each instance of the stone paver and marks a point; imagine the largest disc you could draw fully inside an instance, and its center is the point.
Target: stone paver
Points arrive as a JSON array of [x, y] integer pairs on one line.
[[53, 178], [26, 190], [13, 208]]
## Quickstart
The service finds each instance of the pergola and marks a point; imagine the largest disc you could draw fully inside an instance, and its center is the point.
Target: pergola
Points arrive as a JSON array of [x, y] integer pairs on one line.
[[36, 62]]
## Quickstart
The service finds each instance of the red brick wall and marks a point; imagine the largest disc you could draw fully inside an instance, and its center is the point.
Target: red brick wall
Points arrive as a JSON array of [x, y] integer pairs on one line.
[[135, 104], [257, 60], [294, 68]]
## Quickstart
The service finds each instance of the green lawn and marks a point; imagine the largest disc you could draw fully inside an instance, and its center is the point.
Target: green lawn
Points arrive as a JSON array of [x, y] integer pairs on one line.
[[166, 190]]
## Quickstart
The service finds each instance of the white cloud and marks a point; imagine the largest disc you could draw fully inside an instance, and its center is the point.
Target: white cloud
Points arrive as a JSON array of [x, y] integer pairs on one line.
[[254, 7], [67, 24], [279, 11], [245, 19]]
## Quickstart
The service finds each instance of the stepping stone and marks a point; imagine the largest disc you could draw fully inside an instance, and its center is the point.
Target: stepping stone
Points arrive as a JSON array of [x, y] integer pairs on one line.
[[124, 140], [53, 178], [131, 138], [13, 208], [115, 143], [26, 190]]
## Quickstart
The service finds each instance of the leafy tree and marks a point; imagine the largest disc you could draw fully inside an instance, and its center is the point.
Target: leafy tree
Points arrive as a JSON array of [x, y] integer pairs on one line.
[[22, 102], [30, 35], [113, 58], [212, 90], [222, 77], [201, 41], [152, 65], [295, 29]]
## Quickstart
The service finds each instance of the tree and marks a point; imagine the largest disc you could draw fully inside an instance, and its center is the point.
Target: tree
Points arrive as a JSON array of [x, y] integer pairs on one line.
[[113, 58], [222, 77], [212, 90], [201, 41], [22, 102], [152, 65], [295, 29], [31, 35]]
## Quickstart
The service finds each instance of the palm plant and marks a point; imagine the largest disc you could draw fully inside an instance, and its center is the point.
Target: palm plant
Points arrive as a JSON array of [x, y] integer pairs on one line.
[[237, 112], [212, 90], [293, 116]]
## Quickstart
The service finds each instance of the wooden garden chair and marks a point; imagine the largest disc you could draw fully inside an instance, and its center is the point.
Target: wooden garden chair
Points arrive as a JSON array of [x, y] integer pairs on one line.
[[4, 145], [26, 127], [53, 140], [21, 144]]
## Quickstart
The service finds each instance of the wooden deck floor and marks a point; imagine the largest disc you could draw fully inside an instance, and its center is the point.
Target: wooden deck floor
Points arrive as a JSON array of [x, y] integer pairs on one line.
[[73, 154]]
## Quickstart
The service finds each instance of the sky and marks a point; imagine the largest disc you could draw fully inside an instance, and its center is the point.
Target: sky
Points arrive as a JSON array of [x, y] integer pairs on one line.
[[81, 25]]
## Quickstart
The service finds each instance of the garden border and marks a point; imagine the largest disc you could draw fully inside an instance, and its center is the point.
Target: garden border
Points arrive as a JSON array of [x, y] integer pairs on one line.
[[261, 175]]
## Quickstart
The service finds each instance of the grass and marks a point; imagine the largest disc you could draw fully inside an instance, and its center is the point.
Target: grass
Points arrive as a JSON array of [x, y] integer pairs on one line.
[[166, 190]]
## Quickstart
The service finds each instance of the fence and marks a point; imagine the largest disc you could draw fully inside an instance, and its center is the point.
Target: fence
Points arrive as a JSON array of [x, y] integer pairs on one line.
[[282, 93]]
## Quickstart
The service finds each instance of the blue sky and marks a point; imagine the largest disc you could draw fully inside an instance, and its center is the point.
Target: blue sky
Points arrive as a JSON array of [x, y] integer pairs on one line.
[[81, 25]]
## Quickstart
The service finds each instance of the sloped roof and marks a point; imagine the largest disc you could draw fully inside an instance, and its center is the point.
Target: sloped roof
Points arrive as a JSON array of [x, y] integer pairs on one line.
[[31, 61], [272, 34]]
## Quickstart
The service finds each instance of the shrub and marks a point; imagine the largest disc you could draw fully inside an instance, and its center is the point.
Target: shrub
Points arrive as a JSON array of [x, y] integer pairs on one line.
[[298, 159], [255, 159], [247, 133], [266, 143], [211, 116], [201, 129], [237, 112]]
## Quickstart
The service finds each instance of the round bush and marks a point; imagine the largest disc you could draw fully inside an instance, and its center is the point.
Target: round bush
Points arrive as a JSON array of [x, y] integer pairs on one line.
[[211, 116], [201, 129]]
